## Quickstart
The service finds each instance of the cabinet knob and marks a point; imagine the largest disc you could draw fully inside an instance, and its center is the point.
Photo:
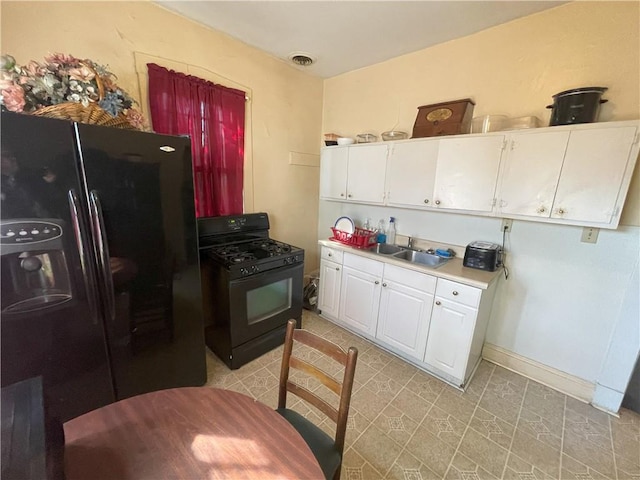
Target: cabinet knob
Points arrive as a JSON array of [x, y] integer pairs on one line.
[[437, 202], [455, 293], [330, 254], [384, 284], [541, 210], [561, 211], [349, 195], [342, 194], [377, 282], [337, 269], [438, 302], [426, 200]]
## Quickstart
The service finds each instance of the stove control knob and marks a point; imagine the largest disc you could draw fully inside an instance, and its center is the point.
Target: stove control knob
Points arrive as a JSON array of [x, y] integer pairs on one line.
[[243, 271], [254, 269]]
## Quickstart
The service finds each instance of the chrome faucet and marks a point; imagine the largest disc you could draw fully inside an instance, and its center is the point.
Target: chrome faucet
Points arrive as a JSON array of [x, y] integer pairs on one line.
[[410, 242]]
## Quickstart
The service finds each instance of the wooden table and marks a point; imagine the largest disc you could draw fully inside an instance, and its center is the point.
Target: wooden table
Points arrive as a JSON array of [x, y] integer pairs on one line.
[[187, 433]]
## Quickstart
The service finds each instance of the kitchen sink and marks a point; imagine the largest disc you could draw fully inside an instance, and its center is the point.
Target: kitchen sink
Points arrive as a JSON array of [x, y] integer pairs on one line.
[[423, 258], [388, 249]]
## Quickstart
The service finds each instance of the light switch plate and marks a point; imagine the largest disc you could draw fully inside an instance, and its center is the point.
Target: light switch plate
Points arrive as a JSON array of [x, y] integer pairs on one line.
[[590, 235]]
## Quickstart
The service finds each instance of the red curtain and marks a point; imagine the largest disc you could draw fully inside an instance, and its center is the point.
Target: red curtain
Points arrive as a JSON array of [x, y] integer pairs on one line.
[[213, 116]]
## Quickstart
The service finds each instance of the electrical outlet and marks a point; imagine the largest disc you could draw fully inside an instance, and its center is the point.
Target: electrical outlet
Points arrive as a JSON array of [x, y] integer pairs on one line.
[[506, 225], [589, 235]]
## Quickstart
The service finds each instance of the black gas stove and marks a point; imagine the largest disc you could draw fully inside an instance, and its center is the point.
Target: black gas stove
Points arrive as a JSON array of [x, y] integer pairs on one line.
[[251, 286], [251, 256]]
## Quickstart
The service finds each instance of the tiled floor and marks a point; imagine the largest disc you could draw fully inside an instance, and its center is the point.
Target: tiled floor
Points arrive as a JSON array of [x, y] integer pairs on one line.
[[406, 424]]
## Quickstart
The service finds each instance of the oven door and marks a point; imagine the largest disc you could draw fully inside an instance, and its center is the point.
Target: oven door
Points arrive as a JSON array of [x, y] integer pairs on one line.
[[264, 302]]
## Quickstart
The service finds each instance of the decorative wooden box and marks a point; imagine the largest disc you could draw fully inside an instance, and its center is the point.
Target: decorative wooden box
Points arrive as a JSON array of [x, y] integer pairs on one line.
[[447, 118]]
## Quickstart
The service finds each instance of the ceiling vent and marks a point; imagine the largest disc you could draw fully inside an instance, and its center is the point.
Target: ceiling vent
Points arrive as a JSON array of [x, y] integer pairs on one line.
[[301, 58]]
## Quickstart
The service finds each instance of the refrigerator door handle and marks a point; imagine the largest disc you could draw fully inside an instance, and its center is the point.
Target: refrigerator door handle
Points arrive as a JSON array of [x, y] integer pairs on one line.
[[103, 251], [91, 292]]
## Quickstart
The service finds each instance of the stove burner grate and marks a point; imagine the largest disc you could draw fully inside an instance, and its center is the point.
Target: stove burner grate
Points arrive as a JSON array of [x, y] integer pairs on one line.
[[253, 252], [241, 257], [272, 247]]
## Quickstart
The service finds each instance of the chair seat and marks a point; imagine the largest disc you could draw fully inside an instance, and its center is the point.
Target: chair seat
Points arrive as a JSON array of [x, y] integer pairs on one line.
[[321, 444]]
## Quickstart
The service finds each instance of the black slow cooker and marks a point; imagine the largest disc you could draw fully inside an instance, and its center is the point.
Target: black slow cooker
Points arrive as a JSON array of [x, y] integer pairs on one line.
[[580, 105]]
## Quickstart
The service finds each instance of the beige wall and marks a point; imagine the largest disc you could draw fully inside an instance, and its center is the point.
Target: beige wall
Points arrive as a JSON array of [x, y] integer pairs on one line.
[[512, 69], [285, 106]]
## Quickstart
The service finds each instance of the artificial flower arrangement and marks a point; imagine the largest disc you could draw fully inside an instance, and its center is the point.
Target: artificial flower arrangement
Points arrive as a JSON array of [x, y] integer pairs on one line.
[[61, 79]]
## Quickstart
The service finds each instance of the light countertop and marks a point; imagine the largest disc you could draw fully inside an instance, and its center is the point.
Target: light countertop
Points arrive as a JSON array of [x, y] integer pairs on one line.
[[452, 270]]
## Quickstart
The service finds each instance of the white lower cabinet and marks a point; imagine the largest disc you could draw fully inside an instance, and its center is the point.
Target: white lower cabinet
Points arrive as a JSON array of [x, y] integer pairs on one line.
[[360, 293], [435, 323], [330, 281], [458, 326], [405, 310], [451, 328]]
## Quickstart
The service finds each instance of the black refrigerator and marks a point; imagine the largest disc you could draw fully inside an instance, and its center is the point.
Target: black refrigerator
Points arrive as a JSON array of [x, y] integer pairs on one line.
[[100, 278]]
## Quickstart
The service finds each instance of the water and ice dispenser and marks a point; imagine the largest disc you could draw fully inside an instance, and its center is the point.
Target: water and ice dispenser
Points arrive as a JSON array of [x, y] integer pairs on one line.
[[35, 274]]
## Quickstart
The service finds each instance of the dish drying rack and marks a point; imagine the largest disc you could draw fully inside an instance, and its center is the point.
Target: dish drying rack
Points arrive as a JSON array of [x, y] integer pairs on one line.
[[360, 238]]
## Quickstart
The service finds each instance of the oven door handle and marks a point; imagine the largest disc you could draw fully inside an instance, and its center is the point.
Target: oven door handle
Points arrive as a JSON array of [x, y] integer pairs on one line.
[[103, 252], [257, 277], [84, 263]]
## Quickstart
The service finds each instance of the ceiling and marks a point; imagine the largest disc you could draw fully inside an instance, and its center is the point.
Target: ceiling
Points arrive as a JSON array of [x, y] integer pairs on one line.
[[346, 35]]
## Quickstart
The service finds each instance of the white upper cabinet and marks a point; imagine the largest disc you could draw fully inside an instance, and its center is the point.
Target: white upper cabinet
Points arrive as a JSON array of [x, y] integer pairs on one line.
[[467, 172], [530, 174], [333, 173], [365, 178], [411, 173], [569, 174], [354, 174], [591, 187]]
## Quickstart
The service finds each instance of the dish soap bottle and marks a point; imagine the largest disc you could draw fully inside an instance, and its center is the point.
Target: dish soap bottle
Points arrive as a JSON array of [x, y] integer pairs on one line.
[[382, 237], [391, 231]]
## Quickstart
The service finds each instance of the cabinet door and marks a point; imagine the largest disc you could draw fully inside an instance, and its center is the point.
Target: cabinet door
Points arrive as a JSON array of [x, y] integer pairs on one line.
[[450, 336], [366, 171], [411, 173], [329, 291], [333, 173], [531, 172], [359, 300], [592, 172], [403, 321], [467, 172]]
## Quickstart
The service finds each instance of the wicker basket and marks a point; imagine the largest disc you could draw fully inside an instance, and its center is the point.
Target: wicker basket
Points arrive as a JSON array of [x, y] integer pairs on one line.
[[92, 114]]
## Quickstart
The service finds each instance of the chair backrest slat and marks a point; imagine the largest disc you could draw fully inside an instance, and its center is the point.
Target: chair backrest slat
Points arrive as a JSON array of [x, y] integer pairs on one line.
[[325, 346], [327, 380], [314, 400]]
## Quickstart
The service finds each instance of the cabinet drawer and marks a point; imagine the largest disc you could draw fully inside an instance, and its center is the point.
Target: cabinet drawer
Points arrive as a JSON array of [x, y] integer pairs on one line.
[[420, 281], [366, 265], [459, 293], [331, 254]]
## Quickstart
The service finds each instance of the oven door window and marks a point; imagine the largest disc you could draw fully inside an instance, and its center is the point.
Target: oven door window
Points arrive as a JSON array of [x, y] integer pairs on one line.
[[268, 300], [263, 302]]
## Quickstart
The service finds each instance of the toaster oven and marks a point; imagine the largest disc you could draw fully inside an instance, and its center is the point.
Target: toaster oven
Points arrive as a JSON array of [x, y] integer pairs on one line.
[[483, 256]]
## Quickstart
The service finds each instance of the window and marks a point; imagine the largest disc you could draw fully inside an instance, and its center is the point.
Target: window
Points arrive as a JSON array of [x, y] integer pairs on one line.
[[213, 116]]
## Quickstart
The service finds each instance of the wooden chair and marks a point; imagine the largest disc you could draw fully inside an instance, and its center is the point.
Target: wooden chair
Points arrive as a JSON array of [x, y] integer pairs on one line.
[[328, 451]]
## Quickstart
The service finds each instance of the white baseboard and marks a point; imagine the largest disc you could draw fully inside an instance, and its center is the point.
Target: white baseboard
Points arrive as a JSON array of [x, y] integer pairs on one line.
[[561, 381]]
